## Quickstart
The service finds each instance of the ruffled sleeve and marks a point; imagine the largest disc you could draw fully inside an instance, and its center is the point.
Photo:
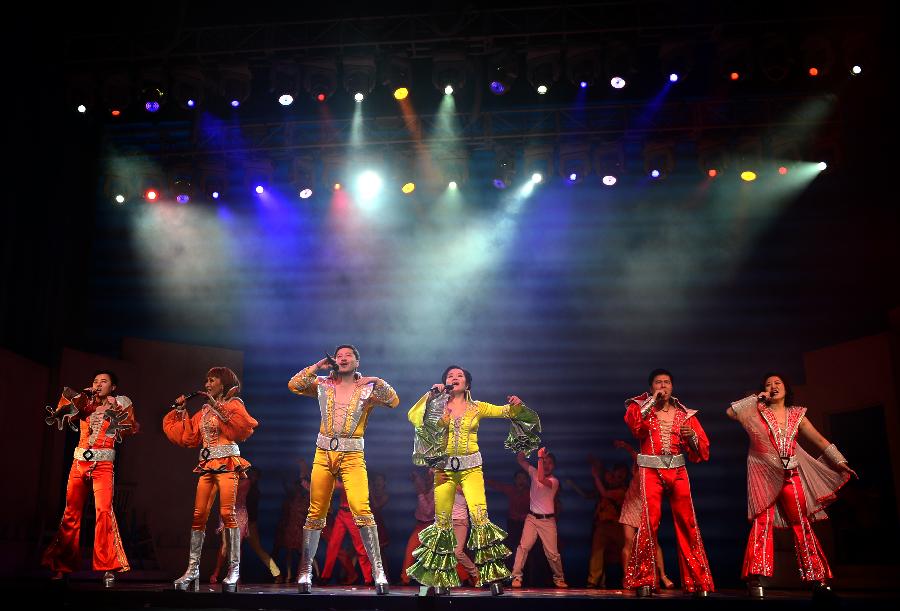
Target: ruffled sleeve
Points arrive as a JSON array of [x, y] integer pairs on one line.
[[524, 426], [131, 425], [430, 439], [238, 425], [180, 429], [384, 394], [304, 382]]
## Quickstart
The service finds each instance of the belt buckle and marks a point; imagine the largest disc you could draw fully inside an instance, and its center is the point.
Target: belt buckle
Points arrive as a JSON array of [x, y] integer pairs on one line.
[[334, 444], [204, 454], [87, 454], [454, 463], [785, 461], [666, 460]]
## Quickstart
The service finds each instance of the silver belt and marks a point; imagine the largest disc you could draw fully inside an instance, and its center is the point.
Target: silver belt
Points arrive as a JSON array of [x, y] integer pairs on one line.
[[790, 462], [224, 451], [95, 455], [458, 463], [662, 461], [340, 444]]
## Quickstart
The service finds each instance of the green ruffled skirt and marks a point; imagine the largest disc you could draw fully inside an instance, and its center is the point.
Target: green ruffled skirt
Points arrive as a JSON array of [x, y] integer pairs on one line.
[[435, 564]]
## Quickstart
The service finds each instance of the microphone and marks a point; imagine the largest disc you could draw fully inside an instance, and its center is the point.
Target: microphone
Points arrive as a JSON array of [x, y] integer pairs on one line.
[[187, 398], [448, 388], [763, 399], [331, 362]]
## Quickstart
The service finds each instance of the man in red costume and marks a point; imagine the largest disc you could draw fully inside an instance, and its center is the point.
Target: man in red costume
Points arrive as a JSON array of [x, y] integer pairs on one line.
[[668, 432], [103, 419]]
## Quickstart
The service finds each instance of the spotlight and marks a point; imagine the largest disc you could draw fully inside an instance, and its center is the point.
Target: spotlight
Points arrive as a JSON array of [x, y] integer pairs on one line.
[[119, 199], [582, 66], [542, 68], [188, 86], [574, 161], [608, 160], [821, 166], [118, 187], [748, 155], [452, 185], [734, 60], [320, 78], [234, 83], [211, 180], [151, 195], [116, 92], [782, 170], [369, 184], [258, 174], [448, 72], [181, 184], [856, 70], [337, 186], [619, 63], [398, 76], [302, 176], [817, 53], [712, 157], [676, 59], [408, 188], [359, 76], [748, 176], [153, 89], [504, 168], [542, 89], [537, 177], [452, 168], [80, 90], [659, 159], [284, 81], [502, 72], [538, 159]]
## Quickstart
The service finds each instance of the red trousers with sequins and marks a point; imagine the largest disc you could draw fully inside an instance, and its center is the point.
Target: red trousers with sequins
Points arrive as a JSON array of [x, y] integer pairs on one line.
[[641, 569], [759, 557], [344, 524], [62, 553]]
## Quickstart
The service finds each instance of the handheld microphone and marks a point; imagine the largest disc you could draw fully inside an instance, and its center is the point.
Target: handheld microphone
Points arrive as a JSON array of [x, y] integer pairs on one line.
[[331, 362], [187, 398]]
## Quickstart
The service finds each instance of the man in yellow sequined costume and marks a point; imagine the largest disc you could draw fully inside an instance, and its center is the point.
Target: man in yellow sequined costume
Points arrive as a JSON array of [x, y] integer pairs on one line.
[[346, 399], [446, 421]]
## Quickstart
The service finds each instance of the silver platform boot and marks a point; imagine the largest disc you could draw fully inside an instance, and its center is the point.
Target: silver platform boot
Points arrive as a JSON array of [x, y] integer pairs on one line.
[[307, 555], [233, 550], [191, 578], [373, 550]]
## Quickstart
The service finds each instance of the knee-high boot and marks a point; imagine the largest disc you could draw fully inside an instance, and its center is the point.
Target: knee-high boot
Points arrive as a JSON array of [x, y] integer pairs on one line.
[[191, 578], [233, 550], [307, 555], [373, 550]]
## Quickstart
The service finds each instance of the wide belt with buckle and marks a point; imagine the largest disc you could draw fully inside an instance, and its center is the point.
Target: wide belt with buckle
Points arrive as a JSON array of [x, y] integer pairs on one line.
[[459, 463], [661, 461], [224, 451], [790, 462], [340, 444], [95, 455]]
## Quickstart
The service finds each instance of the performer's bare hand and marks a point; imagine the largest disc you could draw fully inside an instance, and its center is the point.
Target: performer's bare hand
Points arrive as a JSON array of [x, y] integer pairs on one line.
[[437, 388], [439, 478], [542, 452], [323, 364], [180, 401], [846, 469], [368, 380], [514, 400], [764, 397], [69, 393], [622, 445], [687, 431]]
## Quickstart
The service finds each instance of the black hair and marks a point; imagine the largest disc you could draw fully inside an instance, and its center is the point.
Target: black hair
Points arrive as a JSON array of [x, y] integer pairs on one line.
[[351, 347], [659, 372], [788, 388], [465, 373], [112, 376]]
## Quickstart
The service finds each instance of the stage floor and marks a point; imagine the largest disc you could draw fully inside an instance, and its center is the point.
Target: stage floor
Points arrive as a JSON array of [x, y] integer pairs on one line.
[[142, 595]]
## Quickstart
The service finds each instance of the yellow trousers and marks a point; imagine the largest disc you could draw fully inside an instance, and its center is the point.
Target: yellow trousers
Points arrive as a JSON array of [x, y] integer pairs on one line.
[[472, 482], [350, 467]]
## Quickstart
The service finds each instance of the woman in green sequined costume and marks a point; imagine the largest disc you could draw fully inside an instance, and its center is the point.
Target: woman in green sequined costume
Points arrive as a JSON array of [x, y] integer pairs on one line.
[[446, 421]]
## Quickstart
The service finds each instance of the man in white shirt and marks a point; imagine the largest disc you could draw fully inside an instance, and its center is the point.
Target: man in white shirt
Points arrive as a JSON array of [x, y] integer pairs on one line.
[[541, 520]]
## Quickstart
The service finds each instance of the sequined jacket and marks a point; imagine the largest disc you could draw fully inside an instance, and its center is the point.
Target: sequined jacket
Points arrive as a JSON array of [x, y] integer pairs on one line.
[[362, 401], [462, 432], [93, 428], [772, 452], [646, 429], [208, 429]]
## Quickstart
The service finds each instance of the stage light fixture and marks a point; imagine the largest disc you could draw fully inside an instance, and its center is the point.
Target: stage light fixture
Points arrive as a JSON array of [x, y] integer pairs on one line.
[[116, 92], [619, 63], [258, 175], [302, 176], [448, 71], [319, 78], [397, 71], [574, 161], [538, 159], [659, 159], [608, 160], [234, 83], [284, 81], [504, 168], [359, 76], [676, 59], [188, 86], [503, 69], [543, 68], [582, 66]]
